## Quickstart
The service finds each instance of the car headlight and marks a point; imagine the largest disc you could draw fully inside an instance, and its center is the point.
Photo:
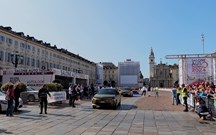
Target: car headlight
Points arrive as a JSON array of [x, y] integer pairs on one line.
[[3, 101]]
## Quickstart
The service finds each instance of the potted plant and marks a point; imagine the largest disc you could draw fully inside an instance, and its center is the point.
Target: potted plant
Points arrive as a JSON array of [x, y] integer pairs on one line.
[[5, 86]]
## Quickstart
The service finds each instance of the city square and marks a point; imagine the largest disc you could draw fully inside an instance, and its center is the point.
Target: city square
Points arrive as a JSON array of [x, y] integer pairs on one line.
[[107, 67], [135, 116]]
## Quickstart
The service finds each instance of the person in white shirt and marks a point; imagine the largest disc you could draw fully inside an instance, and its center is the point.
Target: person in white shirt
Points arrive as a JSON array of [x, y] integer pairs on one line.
[[70, 94], [143, 91]]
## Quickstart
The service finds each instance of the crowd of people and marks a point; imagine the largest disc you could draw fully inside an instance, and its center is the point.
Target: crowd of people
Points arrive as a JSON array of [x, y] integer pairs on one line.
[[196, 91], [79, 91], [76, 92], [180, 95], [12, 95]]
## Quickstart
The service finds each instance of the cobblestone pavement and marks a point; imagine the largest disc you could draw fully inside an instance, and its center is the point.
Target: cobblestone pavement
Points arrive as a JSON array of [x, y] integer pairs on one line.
[[134, 117]]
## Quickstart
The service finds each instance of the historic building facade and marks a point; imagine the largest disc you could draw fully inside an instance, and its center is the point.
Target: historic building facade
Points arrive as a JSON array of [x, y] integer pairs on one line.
[[162, 75], [34, 53], [110, 73]]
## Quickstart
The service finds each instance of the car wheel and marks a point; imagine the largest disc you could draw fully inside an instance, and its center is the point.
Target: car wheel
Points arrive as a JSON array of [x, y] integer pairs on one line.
[[31, 98], [115, 107], [0, 109], [94, 107]]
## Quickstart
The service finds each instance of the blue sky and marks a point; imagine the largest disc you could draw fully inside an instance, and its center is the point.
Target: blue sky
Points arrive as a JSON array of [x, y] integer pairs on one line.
[[116, 30]]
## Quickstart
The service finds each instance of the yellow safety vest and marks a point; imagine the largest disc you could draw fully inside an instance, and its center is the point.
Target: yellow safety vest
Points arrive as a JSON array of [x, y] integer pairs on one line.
[[179, 91], [184, 94], [156, 89]]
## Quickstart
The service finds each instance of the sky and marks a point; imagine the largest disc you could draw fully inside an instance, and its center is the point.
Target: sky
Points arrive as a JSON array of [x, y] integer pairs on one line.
[[116, 30]]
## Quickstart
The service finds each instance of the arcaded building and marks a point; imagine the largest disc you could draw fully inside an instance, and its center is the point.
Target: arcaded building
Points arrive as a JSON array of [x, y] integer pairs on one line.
[[29, 52]]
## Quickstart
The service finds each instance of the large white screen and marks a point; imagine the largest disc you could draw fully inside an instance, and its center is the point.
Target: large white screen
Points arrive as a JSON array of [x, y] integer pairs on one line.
[[128, 79]]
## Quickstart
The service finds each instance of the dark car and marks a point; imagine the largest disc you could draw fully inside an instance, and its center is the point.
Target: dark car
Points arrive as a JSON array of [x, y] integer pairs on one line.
[[126, 91], [107, 97]]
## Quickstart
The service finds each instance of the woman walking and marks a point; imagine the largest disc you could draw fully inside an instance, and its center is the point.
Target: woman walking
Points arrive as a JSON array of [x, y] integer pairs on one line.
[[10, 98]]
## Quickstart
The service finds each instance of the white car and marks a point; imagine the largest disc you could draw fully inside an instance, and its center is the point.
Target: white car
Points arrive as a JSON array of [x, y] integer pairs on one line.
[[31, 94], [3, 102]]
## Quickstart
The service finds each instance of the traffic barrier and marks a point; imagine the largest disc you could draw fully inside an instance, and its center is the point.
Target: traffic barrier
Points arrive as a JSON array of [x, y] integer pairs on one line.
[[209, 101]]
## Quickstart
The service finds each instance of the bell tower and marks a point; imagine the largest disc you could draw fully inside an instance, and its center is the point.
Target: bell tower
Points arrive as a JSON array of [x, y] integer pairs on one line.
[[151, 63]]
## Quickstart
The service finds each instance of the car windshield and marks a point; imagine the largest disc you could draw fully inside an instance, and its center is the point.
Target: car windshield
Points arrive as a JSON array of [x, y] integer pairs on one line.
[[30, 88], [1, 94], [107, 91], [126, 88]]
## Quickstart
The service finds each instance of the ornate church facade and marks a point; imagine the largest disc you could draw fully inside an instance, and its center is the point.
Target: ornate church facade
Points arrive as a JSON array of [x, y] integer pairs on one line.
[[162, 75]]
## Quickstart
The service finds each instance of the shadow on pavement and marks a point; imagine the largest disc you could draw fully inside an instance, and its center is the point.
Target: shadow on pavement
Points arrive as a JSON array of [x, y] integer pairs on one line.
[[5, 131], [122, 107]]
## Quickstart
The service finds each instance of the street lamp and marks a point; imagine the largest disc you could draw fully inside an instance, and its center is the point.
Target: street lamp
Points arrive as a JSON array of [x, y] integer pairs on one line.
[[202, 39], [15, 58]]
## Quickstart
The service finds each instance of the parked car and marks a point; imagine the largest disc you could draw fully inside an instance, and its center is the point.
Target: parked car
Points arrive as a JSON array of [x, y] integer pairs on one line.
[[31, 94], [126, 91], [107, 97], [3, 102]]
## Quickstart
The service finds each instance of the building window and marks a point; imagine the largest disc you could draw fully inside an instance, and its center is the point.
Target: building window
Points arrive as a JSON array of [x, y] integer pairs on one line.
[[38, 64], [16, 43], [33, 62], [28, 47], [22, 45], [161, 72], [2, 38], [7, 57], [1, 55], [50, 65], [9, 41], [38, 50], [22, 60], [33, 49], [27, 61]]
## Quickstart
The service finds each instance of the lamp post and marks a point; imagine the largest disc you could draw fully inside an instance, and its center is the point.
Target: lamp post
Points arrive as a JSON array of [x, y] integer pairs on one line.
[[202, 39], [15, 58]]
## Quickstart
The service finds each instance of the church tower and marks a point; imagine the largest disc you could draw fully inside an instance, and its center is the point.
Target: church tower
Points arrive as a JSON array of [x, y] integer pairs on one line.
[[151, 63]]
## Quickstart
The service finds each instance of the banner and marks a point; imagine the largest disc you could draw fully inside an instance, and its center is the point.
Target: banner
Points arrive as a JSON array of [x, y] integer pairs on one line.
[[193, 69], [57, 96]]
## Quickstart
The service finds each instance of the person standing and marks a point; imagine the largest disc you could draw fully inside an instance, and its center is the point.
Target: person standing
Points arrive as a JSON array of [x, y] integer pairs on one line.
[[93, 89], [17, 92], [143, 91], [78, 90], [179, 90], [149, 90], [10, 98], [74, 94], [174, 95], [185, 95], [70, 93], [156, 92], [42, 94]]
